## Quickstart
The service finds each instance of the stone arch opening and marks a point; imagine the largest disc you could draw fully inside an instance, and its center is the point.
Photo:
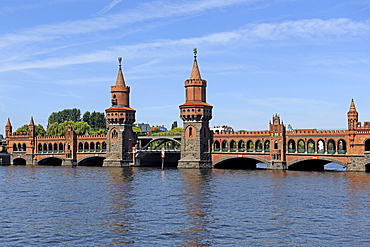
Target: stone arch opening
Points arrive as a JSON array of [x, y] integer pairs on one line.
[[224, 146], [250, 146], [342, 149], [315, 164], [267, 146], [241, 146], [310, 146], [291, 146], [331, 147], [216, 146], [19, 162], [232, 146], [238, 163], [50, 161], [301, 146], [320, 146], [91, 161], [367, 168], [258, 146]]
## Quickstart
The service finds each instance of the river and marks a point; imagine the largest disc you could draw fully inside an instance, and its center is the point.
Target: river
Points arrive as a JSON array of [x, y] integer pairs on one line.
[[98, 206]]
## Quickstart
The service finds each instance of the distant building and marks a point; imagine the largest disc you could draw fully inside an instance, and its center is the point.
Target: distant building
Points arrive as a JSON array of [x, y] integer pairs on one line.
[[161, 128], [224, 128], [144, 127]]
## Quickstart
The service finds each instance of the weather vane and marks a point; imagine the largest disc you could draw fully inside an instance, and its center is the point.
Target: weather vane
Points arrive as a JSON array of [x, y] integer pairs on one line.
[[120, 61], [195, 51]]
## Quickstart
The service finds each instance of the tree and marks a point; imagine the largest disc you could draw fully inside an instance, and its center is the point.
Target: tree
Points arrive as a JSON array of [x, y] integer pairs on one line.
[[58, 129], [174, 125], [39, 129], [136, 129], [65, 115]]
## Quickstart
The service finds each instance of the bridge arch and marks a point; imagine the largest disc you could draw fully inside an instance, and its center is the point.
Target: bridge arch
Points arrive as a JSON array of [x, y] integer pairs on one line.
[[51, 161], [91, 160], [162, 140], [19, 162], [238, 162], [313, 164]]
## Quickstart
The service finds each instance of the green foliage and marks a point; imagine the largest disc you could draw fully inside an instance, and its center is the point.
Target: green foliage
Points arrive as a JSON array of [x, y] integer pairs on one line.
[[175, 131], [65, 115], [98, 132], [174, 125], [39, 129], [96, 120], [24, 128], [136, 129], [58, 129]]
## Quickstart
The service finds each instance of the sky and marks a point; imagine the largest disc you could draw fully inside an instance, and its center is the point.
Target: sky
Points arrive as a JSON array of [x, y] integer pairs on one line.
[[304, 60]]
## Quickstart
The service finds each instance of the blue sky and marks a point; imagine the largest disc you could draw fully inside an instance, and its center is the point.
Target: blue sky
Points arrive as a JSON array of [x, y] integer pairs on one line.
[[302, 59]]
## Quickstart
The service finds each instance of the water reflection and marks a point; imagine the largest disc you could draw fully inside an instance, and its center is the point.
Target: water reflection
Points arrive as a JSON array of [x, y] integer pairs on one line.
[[118, 218], [196, 194]]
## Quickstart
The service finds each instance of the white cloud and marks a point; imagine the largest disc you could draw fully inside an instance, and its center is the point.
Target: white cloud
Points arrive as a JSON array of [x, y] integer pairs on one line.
[[109, 6]]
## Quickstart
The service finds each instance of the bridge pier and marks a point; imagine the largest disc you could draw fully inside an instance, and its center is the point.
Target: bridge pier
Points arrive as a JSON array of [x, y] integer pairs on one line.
[[358, 164], [69, 162], [277, 165]]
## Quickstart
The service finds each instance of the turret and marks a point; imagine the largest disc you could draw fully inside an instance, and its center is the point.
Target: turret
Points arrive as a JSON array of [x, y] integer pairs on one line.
[[352, 116], [8, 128]]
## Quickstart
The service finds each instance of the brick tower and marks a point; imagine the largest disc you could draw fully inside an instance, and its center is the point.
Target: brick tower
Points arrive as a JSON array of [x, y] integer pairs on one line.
[[352, 116], [120, 117], [196, 136]]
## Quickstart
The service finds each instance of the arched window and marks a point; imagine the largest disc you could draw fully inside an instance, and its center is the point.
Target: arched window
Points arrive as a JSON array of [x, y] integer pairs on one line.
[[232, 146], [19, 147], [61, 148], [104, 147], [92, 147], [39, 148], [310, 146], [45, 149], [321, 147], [216, 146], [190, 132], [291, 146], [250, 146], [50, 148], [24, 148], [342, 147], [114, 134], [267, 146], [301, 146], [98, 147], [241, 146], [86, 147], [15, 147], [276, 145], [55, 147], [80, 147], [331, 147], [224, 146], [258, 146]]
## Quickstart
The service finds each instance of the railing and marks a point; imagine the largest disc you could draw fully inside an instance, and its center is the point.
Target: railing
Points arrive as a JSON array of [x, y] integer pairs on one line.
[[291, 150]]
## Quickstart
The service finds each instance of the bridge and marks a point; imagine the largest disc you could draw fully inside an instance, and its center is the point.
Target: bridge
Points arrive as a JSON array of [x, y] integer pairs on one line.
[[277, 147]]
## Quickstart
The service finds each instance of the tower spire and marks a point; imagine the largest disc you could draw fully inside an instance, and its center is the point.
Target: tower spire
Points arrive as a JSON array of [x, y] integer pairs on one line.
[[120, 81], [195, 73], [352, 107]]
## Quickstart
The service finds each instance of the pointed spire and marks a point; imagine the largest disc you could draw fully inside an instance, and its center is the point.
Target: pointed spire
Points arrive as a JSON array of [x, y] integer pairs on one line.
[[352, 107], [8, 123], [120, 81], [195, 73], [32, 122]]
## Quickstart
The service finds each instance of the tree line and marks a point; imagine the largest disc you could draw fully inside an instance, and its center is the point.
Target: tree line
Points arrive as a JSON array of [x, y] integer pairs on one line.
[[91, 122]]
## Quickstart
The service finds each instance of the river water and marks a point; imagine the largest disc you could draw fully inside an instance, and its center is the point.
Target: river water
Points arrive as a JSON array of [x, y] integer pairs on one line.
[[97, 206]]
